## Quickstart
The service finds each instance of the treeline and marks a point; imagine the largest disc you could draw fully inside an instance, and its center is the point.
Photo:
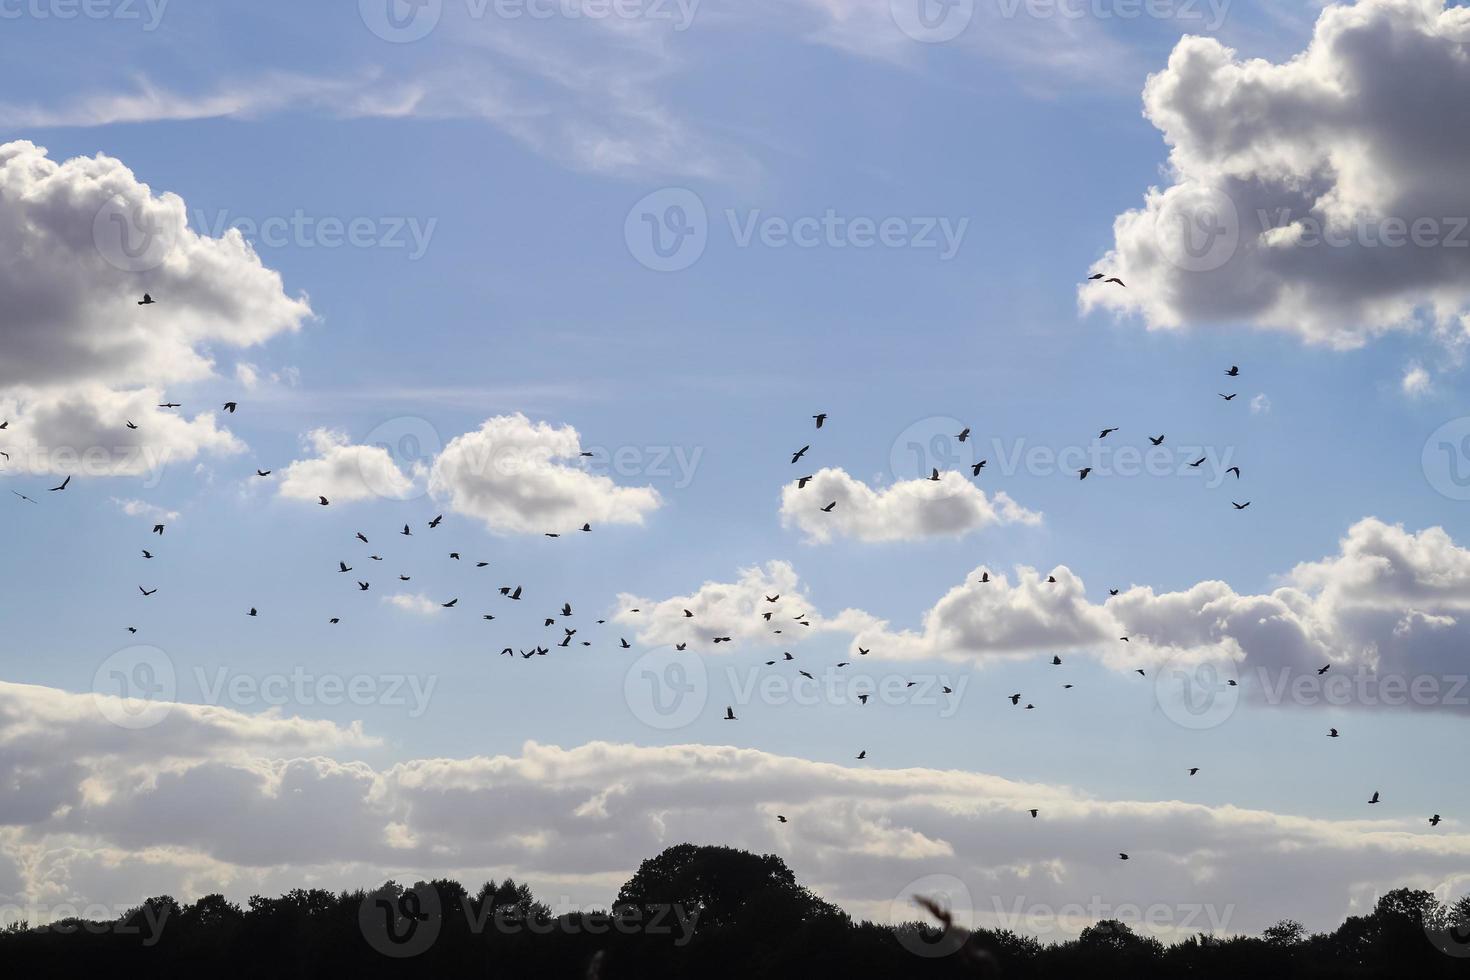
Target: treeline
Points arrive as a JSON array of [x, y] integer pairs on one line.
[[689, 912]]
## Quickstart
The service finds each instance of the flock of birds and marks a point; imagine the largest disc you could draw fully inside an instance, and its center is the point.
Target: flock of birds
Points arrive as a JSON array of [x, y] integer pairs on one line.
[[564, 612]]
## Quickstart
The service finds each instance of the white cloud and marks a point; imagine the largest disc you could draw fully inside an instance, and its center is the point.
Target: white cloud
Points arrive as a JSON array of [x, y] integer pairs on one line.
[[416, 603], [519, 477], [343, 472], [905, 511], [212, 800], [1324, 164], [78, 356], [141, 508], [1416, 381], [1260, 405]]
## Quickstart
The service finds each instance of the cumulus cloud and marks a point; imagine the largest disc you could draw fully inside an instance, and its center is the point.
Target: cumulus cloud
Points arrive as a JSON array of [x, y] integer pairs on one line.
[[343, 472], [906, 511], [1390, 604], [1324, 195], [414, 602], [520, 477], [78, 356], [214, 801], [1416, 381], [141, 508]]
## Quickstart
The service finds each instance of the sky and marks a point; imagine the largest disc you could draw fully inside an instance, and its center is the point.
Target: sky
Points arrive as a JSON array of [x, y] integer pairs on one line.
[[530, 265]]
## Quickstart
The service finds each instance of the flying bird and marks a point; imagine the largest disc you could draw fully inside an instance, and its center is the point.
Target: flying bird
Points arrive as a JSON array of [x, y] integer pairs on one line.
[[169, 405], [1194, 770], [158, 530], [262, 472], [1434, 820], [147, 553], [1332, 733], [146, 591], [1240, 506], [828, 509], [146, 300], [820, 417], [435, 521], [1375, 797], [62, 486], [230, 407], [1229, 397], [977, 467], [252, 611], [1234, 371], [800, 453], [129, 424], [1106, 432], [1082, 473], [730, 713], [323, 501], [1156, 441]]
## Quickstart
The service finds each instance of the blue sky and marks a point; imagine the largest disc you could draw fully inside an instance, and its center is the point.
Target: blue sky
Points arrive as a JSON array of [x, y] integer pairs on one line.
[[517, 149]]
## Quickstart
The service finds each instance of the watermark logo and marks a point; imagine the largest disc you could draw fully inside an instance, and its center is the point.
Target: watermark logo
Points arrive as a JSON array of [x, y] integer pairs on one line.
[[1446, 459], [951, 895], [129, 237], [401, 21], [1197, 694], [412, 443], [932, 21], [1198, 228], [135, 687], [401, 924], [667, 231], [666, 688], [931, 444]]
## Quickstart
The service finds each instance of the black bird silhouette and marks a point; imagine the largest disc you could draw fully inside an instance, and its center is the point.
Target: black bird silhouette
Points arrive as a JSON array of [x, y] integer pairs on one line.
[[129, 424], [62, 486], [1015, 699], [252, 611], [984, 577], [1157, 442], [550, 535], [1082, 473], [146, 300], [1056, 661], [505, 590], [1234, 371], [1323, 670], [158, 529], [781, 818], [1106, 432], [1112, 591], [362, 586], [1051, 580], [585, 527], [147, 553], [1332, 733], [146, 591], [730, 713], [323, 501], [934, 474], [1240, 506], [964, 434], [828, 509], [169, 405], [1122, 855], [334, 620], [450, 604], [435, 521], [820, 417], [362, 537], [1116, 280], [1199, 462], [977, 467], [262, 472], [1235, 470], [406, 532], [566, 608], [1375, 797], [863, 754], [1434, 820], [230, 407], [1194, 770], [624, 644], [1228, 397], [342, 566], [800, 453], [1033, 813], [801, 482], [1094, 277]]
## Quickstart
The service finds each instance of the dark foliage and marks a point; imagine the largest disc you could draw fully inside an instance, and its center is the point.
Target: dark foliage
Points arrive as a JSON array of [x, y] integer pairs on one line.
[[690, 912]]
